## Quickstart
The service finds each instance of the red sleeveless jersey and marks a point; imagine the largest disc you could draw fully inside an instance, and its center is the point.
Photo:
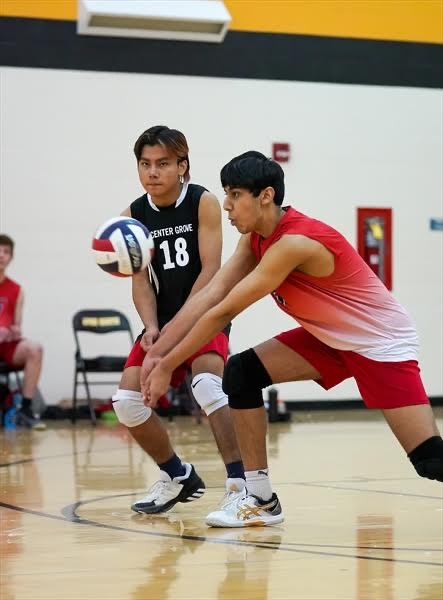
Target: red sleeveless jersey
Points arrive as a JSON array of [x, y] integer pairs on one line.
[[348, 310], [9, 291]]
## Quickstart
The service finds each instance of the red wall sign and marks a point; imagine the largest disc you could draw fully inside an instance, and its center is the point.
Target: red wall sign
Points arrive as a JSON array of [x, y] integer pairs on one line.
[[281, 152], [374, 241]]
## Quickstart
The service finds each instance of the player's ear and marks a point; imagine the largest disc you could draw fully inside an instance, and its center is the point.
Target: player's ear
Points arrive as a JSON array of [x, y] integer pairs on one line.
[[267, 196], [182, 167]]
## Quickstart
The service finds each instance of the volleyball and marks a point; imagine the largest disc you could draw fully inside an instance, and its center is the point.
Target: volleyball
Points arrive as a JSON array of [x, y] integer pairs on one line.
[[123, 246]]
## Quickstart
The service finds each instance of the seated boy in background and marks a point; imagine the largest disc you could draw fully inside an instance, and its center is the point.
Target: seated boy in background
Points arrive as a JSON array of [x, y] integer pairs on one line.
[[15, 350]]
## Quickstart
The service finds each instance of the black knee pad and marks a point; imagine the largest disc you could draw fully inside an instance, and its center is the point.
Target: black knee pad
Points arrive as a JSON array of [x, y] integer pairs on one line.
[[427, 458], [243, 380]]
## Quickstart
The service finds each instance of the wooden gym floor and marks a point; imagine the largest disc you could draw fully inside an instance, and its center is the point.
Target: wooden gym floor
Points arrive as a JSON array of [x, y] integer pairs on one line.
[[359, 523]]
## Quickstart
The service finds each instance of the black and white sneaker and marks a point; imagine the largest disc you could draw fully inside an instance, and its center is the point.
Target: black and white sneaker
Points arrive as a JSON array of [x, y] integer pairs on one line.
[[25, 418], [166, 492]]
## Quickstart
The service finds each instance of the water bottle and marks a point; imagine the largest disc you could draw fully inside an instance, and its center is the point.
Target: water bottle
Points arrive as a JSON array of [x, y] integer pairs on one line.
[[273, 405], [10, 416]]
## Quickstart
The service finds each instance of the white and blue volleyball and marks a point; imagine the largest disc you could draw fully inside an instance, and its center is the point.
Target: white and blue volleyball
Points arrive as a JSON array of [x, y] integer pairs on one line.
[[123, 246]]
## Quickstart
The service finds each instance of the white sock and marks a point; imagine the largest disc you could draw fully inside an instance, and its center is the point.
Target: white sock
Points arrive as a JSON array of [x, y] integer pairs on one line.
[[258, 484], [235, 484]]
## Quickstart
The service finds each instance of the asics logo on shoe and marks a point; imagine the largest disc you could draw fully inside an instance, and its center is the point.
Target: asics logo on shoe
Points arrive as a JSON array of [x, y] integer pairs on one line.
[[248, 510]]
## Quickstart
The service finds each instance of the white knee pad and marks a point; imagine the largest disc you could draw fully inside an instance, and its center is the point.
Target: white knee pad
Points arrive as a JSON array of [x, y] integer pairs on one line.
[[129, 408], [208, 392]]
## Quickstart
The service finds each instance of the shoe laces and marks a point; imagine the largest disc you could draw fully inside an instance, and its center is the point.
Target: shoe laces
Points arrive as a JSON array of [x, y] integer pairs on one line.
[[156, 490], [232, 496]]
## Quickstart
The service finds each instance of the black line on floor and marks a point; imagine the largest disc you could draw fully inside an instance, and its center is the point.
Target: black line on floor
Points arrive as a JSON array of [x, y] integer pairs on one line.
[[70, 512], [80, 521]]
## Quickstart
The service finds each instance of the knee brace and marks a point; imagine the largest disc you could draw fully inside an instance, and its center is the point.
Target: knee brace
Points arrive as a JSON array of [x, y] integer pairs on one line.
[[244, 378], [208, 392], [427, 458], [129, 408]]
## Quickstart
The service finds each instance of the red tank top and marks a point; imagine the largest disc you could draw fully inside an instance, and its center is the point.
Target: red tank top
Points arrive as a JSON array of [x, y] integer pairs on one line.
[[348, 310], [9, 291]]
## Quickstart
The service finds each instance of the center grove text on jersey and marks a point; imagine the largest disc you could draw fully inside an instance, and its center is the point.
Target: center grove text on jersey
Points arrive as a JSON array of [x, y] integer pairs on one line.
[[171, 230]]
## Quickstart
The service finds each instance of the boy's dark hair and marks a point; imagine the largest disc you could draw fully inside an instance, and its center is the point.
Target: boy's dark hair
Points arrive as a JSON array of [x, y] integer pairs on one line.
[[254, 172], [172, 139], [5, 240]]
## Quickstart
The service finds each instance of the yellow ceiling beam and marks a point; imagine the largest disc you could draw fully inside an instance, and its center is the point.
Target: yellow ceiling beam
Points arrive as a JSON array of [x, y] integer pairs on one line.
[[406, 20], [401, 20], [64, 10]]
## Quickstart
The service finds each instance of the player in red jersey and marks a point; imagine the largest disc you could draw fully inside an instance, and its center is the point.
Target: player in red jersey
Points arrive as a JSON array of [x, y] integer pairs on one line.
[[15, 350], [351, 326]]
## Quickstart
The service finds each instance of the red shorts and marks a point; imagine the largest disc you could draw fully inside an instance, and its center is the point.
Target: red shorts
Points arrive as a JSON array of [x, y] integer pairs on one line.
[[7, 351], [381, 384], [219, 345]]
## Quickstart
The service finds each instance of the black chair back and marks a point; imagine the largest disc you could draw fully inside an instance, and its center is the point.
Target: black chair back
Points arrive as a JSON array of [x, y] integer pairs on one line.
[[96, 321]]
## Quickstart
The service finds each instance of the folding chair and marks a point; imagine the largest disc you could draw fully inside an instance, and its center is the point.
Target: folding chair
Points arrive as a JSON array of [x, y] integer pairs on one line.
[[98, 321]]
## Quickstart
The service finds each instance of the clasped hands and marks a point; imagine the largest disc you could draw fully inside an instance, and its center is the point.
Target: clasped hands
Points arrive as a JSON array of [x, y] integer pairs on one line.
[[10, 334], [155, 377]]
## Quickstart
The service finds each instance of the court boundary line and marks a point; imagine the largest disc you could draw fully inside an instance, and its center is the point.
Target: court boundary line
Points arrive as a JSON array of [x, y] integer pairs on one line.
[[80, 521], [73, 507]]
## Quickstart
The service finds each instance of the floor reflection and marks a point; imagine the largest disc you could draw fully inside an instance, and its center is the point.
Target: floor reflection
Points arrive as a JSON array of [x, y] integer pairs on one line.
[[375, 577]]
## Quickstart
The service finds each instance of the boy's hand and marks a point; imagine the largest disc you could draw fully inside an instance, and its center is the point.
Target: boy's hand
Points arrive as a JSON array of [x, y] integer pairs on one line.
[[157, 384], [149, 337], [5, 334], [148, 365], [15, 332]]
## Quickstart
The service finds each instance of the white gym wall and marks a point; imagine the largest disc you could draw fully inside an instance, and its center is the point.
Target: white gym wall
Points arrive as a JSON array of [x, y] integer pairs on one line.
[[67, 165]]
